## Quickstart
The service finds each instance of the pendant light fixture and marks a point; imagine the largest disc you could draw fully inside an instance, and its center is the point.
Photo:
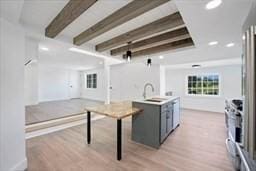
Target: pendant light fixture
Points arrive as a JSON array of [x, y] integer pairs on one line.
[[149, 62], [128, 53]]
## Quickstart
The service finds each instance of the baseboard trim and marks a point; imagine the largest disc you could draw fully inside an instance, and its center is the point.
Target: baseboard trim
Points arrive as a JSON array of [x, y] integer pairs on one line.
[[202, 110], [59, 127], [21, 166]]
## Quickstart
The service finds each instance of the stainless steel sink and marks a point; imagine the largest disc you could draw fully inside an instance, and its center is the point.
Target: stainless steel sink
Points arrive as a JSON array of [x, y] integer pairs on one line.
[[155, 99]]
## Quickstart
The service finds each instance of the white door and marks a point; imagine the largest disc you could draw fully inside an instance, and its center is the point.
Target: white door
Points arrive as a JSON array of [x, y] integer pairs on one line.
[[115, 86], [74, 84]]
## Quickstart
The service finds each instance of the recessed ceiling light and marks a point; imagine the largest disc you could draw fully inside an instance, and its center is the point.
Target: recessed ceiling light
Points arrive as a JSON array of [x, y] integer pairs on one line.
[[44, 48], [161, 57], [213, 4], [100, 62], [213, 43], [230, 44], [243, 37]]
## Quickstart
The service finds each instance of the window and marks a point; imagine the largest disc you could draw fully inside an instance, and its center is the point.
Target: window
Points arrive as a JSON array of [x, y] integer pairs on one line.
[[91, 80], [203, 85]]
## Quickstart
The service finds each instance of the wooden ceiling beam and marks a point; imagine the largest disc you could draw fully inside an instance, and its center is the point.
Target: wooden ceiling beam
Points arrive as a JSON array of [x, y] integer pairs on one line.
[[169, 22], [124, 14], [72, 10], [166, 47], [164, 38]]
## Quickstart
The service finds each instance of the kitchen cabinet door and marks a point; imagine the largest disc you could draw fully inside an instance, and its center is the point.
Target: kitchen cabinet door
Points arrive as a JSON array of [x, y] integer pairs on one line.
[[169, 120], [163, 125], [176, 113]]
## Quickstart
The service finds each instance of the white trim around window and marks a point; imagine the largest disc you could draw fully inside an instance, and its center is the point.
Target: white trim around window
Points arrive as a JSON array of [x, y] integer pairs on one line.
[[203, 75], [90, 80]]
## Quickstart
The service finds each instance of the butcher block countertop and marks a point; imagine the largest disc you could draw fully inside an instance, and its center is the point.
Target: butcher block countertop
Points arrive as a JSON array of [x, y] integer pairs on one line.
[[115, 110]]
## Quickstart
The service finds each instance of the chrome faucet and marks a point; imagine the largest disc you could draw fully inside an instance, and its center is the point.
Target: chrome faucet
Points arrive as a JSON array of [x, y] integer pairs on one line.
[[145, 87]]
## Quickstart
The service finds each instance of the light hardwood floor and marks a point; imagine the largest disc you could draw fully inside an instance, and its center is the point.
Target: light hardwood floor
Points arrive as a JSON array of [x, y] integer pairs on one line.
[[46, 111], [198, 144]]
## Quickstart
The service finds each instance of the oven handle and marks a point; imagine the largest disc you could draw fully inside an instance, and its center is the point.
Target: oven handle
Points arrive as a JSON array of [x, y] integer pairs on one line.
[[242, 157], [228, 149], [229, 115]]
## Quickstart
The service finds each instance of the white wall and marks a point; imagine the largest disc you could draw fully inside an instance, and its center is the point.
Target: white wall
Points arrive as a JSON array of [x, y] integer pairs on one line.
[[98, 93], [230, 87], [31, 72], [31, 84], [128, 80], [47, 83], [162, 81], [12, 112], [54, 83]]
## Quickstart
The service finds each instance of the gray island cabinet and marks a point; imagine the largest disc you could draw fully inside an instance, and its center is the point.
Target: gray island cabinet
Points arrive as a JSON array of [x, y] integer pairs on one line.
[[156, 122]]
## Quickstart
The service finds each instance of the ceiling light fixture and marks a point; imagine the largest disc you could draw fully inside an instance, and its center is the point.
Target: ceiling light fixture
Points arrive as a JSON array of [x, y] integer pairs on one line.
[[100, 62], [196, 66], [149, 62], [212, 43], [128, 55], [44, 48], [230, 45], [243, 37], [213, 4], [161, 57]]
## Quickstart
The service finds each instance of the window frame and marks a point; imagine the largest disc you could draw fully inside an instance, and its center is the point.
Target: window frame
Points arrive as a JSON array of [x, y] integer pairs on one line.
[[203, 95], [89, 83]]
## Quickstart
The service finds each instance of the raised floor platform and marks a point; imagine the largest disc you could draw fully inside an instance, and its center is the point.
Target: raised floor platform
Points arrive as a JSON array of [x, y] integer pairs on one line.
[[47, 111]]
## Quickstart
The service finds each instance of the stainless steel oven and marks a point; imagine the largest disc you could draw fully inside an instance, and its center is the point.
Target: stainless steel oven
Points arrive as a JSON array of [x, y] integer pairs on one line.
[[234, 121]]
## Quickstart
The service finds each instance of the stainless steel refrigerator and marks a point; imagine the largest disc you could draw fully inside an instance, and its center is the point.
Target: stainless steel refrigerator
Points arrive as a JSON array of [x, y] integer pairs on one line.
[[248, 150]]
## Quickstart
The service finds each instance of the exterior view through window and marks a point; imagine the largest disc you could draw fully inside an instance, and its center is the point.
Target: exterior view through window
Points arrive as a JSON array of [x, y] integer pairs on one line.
[[91, 81], [204, 85]]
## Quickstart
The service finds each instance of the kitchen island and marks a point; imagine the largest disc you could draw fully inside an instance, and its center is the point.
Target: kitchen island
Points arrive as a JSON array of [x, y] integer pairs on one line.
[[152, 119], [160, 116]]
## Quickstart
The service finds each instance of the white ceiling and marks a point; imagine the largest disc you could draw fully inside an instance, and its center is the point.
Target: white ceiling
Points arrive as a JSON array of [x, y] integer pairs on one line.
[[33, 10], [206, 64], [222, 24], [59, 55], [37, 14], [11, 10], [148, 17]]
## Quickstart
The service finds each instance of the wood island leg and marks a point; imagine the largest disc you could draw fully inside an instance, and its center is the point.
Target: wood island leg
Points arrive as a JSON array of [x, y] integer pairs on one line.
[[88, 127], [119, 139]]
